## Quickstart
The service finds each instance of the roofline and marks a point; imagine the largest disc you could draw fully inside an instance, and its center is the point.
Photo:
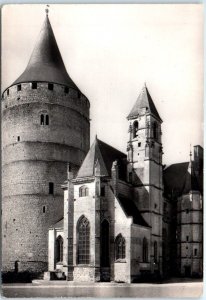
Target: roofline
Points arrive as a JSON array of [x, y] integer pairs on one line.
[[30, 81]]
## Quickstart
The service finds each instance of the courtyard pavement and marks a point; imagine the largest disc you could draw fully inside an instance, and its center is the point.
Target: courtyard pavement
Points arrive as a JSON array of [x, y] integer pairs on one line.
[[42, 288]]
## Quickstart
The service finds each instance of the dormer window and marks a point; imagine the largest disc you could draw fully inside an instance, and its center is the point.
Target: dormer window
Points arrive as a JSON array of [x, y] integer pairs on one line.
[[135, 129]]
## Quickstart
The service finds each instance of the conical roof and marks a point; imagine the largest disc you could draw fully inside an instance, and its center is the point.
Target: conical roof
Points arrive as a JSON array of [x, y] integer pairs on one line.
[[144, 101], [101, 156], [46, 64]]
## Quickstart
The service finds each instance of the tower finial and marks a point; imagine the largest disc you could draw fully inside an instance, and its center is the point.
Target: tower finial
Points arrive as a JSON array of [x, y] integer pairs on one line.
[[190, 153], [47, 10]]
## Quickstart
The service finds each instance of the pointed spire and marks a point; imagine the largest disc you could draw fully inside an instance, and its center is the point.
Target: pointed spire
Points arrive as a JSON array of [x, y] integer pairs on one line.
[[46, 64], [144, 101]]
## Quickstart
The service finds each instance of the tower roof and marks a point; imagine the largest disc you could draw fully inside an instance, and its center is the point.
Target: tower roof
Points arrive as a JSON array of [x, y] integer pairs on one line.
[[46, 64], [144, 101], [102, 156]]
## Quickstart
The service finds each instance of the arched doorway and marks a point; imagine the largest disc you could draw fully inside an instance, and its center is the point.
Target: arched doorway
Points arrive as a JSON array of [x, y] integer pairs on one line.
[[104, 252]]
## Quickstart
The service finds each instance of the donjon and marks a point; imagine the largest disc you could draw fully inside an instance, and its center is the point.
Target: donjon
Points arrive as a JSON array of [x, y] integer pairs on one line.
[[45, 125]]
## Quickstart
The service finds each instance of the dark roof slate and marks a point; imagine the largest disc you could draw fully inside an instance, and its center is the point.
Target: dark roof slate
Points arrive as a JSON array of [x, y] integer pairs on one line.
[[46, 64], [180, 179], [144, 101], [102, 154]]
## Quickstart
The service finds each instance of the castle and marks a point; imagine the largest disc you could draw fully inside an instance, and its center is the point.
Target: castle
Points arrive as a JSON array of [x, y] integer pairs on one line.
[[92, 214]]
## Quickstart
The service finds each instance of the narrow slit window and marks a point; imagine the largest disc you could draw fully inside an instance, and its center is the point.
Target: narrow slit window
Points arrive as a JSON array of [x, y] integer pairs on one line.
[[103, 191], [195, 252], [18, 138], [44, 209], [19, 87], [66, 90], [34, 85], [7, 92], [139, 144], [51, 188], [187, 238], [42, 119], [50, 86], [47, 119]]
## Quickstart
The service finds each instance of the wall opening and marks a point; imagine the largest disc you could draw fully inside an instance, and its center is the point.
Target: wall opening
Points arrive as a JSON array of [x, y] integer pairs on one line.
[[50, 86], [34, 85], [18, 138], [7, 92], [51, 188], [59, 249], [19, 87], [66, 90]]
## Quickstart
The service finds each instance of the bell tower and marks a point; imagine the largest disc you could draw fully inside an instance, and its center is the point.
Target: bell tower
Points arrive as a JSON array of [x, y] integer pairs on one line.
[[145, 167]]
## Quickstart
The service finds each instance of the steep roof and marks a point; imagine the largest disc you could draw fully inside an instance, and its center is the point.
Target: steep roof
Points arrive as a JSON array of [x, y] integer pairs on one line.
[[102, 155], [144, 101], [46, 64], [180, 179]]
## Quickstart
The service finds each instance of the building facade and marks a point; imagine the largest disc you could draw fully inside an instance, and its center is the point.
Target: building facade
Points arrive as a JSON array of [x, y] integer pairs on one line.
[[91, 214]]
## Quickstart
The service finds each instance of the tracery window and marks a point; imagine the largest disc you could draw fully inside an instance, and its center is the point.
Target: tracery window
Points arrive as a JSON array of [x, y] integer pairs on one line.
[[120, 246], [83, 241], [83, 191]]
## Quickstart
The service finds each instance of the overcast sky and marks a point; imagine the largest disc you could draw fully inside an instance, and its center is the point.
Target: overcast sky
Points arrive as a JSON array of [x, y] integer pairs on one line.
[[110, 51]]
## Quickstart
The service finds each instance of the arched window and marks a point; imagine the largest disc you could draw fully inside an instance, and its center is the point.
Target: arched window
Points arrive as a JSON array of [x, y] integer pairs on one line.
[[104, 244], [120, 247], [155, 252], [59, 249], [83, 241], [135, 129], [145, 250], [83, 191], [44, 119], [155, 129]]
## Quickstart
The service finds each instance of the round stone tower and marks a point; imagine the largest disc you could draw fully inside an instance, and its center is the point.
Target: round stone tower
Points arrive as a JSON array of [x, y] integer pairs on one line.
[[45, 125]]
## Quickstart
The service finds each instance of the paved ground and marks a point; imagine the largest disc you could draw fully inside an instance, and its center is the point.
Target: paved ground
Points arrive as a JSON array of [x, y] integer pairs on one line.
[[69, 289]]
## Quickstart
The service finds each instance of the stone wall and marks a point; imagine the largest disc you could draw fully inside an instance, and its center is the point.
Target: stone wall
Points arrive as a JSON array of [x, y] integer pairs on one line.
[[34, 155]]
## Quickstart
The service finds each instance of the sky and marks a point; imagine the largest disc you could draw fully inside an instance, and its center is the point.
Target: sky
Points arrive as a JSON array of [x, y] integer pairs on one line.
[[110, 51]]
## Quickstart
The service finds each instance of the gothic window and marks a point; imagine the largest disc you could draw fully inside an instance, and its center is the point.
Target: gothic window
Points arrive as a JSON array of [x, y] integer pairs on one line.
[[83, 191], [83, 241], [120, 247], [135, 129], [145, 250], [59, 249], [155, 252], [51, 188], [155, 129]]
